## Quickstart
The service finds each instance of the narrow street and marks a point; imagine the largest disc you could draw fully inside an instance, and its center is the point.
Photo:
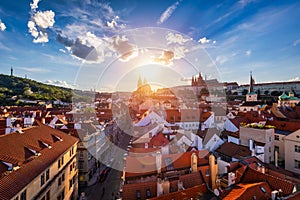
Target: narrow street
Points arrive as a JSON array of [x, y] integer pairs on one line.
[[108, 189], [111, 187]]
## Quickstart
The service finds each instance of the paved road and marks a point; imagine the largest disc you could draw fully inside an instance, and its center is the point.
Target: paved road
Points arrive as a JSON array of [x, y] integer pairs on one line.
[[112, 181], [111, 185]]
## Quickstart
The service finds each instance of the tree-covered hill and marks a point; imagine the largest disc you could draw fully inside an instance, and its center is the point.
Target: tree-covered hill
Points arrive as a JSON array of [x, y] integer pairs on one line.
[[13, 88]]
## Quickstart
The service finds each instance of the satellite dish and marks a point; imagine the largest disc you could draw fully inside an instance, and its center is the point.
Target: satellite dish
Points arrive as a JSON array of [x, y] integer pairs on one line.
[[216, 191]]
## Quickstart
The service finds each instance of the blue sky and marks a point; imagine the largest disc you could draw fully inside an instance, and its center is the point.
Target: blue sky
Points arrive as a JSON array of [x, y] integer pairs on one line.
[[71, 43]]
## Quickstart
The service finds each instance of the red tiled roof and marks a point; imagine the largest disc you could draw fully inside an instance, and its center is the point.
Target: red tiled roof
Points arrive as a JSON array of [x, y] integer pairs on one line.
[[253, 176], [247, 191], [284, 125], [233, 150], [12, 150], [138, 166], [158, 140], [189, 181], [184, 194]]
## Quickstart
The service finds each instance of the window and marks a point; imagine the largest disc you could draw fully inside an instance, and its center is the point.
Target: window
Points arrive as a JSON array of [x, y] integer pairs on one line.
[[70, 183], [48, 195], [276, 137], [138, 195], [297, 148], [62, 160], [297, 164], [61, 196], [58, 164], [80, 165], [47, 174], [63, 177], [269, 149], [23, 195], [276, 148], [207, 172], [71, 168], [81, 154], [74, 179], [42, 179], [59, 181], [148, 193], [270, 139]]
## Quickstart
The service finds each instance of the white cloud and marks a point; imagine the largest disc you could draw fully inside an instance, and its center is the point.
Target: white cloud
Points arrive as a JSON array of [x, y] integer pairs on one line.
[[62, 50], [248, 52], [179, 52], [166, 58], [34, 69], [60, 83], [2, 26], [204, 40], [126, 50], [34, 5], [168, 12], [32, 29], [295, 79], [44, 19], [296, 42], [42, 38], [221, 59], [244, 3], [113, 24], [3, 47], [39, 22], [176, 38]]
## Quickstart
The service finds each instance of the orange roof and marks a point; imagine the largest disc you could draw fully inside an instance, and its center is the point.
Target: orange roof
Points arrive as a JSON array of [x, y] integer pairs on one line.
[[192, 183], [233, 150], [14, 149], [145, 165], [193, 192], [285, 125], [242, 191], [158, 140], [253, 176]]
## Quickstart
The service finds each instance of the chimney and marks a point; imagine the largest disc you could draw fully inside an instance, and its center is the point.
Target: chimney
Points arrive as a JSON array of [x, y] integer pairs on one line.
[[213, 171], [231, 178], [166, 186], [274, 194], [276, 158], [160, 189], [251, 144], [194, 162], [158, 161]]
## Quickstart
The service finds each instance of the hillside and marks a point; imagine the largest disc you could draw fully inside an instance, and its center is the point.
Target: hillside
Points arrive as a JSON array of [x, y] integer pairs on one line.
[[13, 89]]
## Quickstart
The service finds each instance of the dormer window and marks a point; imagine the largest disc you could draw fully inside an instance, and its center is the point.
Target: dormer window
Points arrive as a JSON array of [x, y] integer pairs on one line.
[[57, 138], [34, 152], [46, 145], [9, 166]]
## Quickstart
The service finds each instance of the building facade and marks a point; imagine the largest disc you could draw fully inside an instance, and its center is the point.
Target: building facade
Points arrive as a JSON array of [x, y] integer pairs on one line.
[[38, 163], [292, 152]]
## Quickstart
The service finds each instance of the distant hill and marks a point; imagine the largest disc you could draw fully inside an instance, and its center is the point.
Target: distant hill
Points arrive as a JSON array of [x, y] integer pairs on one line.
[[13, 89]]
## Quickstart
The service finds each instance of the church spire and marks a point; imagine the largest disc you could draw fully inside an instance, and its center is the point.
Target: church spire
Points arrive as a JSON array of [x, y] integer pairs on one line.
[[251, 90], [11, 71]]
